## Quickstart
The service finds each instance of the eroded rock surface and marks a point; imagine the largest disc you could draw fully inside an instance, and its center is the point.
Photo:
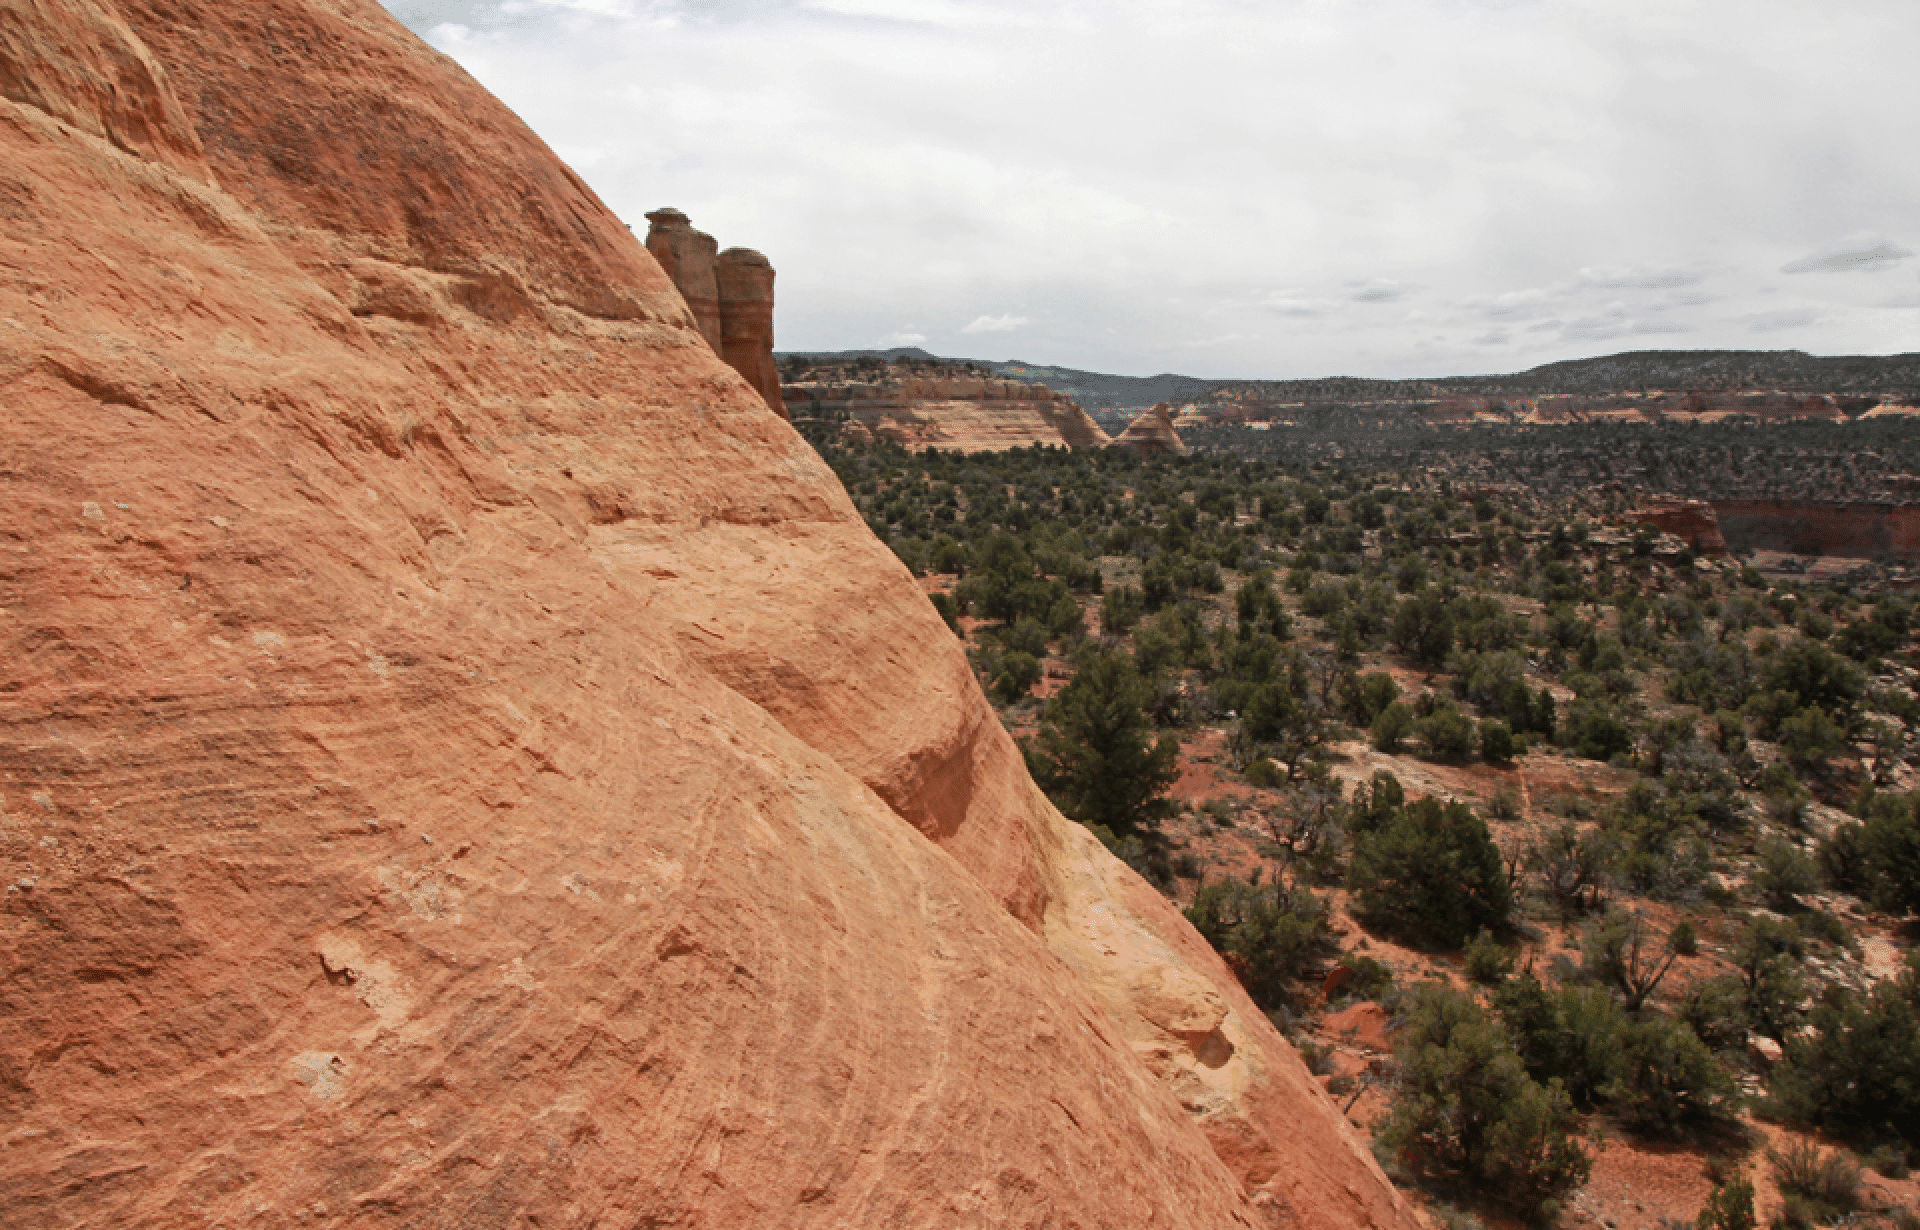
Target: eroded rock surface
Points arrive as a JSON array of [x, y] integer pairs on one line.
[[463, 760]]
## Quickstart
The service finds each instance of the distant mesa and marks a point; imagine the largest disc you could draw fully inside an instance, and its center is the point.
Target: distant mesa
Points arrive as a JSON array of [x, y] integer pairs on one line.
[[1152, 434], [729, 293], [927, 403]]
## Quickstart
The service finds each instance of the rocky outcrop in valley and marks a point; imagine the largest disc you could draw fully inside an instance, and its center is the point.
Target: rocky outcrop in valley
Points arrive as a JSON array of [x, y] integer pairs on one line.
[[1152, 434]]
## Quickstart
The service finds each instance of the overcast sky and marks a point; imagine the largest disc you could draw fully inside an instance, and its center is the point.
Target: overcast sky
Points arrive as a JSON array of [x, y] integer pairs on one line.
[[1281, 189]]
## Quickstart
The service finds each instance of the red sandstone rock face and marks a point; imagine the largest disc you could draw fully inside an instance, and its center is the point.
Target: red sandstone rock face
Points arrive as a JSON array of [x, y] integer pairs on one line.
[[1859, 531], [1691, 521], [463, 762], [970, 414], [1152, 434]]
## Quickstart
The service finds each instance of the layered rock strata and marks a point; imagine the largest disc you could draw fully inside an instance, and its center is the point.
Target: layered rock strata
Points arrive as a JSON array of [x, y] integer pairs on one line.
[[1152, 434], [463, 760], [967, 413]]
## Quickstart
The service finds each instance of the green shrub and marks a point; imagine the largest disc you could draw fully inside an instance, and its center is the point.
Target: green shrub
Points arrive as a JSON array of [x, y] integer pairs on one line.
[[1858, 1068], [1572, 867], [1571, 1036], [1595, 730], [1364, 697], [1015, 679], [1270, 934], [1370, 980], [1716, 1010], [1468, 1111], [1879, 858], [1431, 875], [1496, 741], [1783, 873], [949, 610], [1391, 728], [1730, 1207], [1095, 754], [1670, 1078], [1816, 1187], [1622, 951], [1488, 961], [1447, 734], [1266, 774]]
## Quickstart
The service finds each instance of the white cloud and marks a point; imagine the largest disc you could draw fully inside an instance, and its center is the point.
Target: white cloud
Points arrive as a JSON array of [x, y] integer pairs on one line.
[[1857, 256], [903, 337], [996, 324], [1622, 277], [1773, 322], [1378, 291], [1137, 172]]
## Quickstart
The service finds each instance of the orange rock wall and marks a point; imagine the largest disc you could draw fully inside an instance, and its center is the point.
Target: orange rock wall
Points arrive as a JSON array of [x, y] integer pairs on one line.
[[968, 413], [464, 762], [1692, 521], [1859, 531]]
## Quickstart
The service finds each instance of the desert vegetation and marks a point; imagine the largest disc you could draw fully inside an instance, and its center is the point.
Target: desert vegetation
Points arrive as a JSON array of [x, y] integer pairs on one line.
[[1620, 842]]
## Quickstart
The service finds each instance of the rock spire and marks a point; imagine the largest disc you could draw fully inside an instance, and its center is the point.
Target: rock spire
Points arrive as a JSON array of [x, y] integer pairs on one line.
[[730, 294]]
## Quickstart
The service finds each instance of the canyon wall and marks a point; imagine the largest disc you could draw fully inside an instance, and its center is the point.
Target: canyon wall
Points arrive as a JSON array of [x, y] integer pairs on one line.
[[1693, 522], [967, 413], [1854, 531], [463, 760]]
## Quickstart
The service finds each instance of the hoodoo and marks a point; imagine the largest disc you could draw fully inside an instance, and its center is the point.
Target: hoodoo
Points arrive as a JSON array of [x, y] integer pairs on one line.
[[746, 322], [690, 258], [464, 762], [729, 293]]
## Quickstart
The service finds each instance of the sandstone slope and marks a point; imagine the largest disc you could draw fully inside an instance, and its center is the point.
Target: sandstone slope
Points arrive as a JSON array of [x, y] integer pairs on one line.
[[463, 761]]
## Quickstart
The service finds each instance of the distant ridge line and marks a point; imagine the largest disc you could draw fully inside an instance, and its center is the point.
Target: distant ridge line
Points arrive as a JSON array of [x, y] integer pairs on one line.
[[1785, 370]]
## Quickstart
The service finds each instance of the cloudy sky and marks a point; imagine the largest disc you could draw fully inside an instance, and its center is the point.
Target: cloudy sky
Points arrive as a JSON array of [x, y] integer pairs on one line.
[[1286, 188]]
